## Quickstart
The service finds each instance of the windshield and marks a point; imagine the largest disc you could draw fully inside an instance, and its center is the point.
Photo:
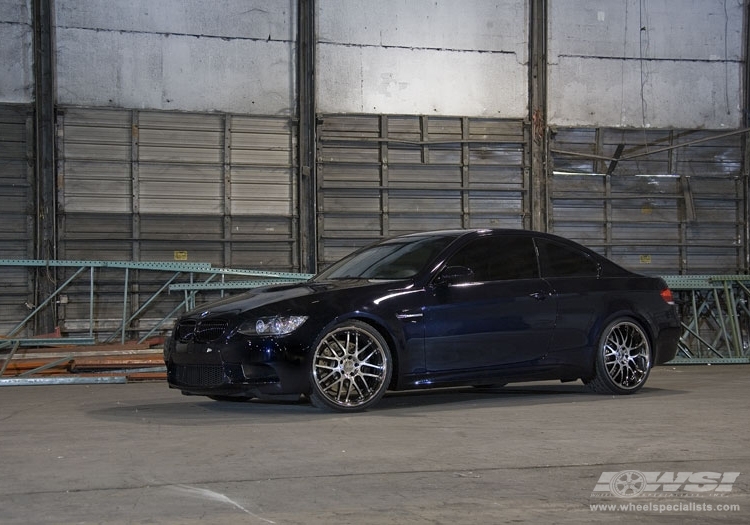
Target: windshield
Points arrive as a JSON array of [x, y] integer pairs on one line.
[[398, 258]]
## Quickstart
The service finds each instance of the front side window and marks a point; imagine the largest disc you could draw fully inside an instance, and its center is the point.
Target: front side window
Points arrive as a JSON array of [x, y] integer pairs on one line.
[[498, 258], [398, 258]]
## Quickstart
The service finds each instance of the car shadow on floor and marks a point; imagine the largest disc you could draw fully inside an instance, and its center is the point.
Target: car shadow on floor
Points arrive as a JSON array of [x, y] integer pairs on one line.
[[199, 410], [525, 394]]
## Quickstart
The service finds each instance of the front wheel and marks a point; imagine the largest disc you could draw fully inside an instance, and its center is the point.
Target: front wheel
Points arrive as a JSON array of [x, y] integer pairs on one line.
[[623, 359], [351, 367]]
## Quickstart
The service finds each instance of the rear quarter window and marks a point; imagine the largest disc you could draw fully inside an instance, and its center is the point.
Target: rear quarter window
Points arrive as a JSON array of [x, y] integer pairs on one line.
[[560, 260]]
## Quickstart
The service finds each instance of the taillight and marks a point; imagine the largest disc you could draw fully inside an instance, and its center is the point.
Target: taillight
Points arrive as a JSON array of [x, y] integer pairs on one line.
[[666, 294]]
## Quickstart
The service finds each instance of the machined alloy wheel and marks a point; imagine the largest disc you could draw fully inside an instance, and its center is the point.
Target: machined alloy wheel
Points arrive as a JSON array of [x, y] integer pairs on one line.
[[623, 359], [351, 367]]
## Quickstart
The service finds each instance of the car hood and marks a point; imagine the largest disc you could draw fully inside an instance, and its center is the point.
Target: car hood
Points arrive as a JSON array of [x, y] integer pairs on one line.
[[265, 295]]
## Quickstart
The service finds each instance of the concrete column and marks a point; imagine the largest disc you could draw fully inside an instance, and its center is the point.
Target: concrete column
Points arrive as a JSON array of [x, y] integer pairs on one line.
[[44, 124], [538, 113], [307, 147]]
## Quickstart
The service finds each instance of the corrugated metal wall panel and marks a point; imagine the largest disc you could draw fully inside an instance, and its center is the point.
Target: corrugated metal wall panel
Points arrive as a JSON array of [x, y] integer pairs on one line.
[[261, 191], [385, 175], [95, 186], [96, 151], [16, 211], [96, 236], [166, 188], [162, 186], [671, 203]]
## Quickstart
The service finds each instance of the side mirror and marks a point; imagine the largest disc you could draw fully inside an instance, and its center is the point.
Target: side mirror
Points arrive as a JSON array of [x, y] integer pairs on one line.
[[454, 275]]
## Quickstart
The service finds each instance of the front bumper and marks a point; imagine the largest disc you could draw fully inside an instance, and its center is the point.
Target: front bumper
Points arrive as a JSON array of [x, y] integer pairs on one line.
[[242, 366]]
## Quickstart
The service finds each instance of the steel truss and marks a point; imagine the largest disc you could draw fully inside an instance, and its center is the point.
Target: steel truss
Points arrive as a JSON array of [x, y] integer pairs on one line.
[[188, 278], [715, 309], [715, 314]]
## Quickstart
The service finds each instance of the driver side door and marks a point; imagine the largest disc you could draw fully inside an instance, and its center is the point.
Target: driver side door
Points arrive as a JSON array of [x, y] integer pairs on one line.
[[504, 313]]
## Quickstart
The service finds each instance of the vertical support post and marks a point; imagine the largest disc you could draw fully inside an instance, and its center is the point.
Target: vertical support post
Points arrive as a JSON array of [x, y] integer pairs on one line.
[[746, 144], [227, 184], [125, 286], [384, 178], [135, 177], [608, 215], [30, 248], [746, 196], [135, 193], [307, 135], [465, 183], [538, 113], [46, 201], [91, 302], [600, 167]]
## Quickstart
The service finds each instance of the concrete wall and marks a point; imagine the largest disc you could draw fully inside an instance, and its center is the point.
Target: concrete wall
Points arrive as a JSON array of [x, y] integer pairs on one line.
[[223, 55], [16, 52], [661, 63], [629, 63], [435, 57]]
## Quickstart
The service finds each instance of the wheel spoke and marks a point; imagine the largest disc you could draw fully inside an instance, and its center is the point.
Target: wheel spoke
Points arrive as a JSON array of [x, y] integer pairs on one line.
[[359, 390], [331, 374], [371, 365], [348, 391], [365, 347], [329, 346], [336, 383]]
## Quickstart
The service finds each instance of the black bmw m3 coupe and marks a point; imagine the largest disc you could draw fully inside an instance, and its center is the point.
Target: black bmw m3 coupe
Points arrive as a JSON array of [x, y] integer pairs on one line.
[[432, 309]]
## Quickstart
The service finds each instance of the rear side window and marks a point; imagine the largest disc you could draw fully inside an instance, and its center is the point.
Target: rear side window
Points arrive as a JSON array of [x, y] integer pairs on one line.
[[498, 258], [559, 260]]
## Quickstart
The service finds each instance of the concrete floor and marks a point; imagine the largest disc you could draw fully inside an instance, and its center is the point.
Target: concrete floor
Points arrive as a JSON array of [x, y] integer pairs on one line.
[[531, 453]]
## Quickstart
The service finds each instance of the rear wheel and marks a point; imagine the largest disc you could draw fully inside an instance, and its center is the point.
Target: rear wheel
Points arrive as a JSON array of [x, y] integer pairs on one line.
[[623, 359], [351, 367]]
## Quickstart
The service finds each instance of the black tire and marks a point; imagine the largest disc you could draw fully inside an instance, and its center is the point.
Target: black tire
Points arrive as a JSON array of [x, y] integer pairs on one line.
[[350, 368], [623, 358]]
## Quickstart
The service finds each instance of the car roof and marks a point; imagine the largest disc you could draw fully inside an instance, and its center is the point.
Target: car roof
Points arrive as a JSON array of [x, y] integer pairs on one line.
[[470, 231], [457, 233]]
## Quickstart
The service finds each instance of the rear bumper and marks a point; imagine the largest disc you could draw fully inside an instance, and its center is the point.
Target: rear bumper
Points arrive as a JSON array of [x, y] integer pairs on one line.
[[665, 345]]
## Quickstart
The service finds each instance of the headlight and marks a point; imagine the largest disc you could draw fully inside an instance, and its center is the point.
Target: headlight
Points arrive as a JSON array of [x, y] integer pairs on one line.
[[278, 325]]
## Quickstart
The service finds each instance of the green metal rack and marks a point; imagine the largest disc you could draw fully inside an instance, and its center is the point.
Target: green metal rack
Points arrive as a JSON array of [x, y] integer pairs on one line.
[[714, 309], [187, 277], [715, 316]]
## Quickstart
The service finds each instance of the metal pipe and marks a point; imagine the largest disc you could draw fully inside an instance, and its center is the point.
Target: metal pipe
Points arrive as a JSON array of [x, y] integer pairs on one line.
[[88, 380]]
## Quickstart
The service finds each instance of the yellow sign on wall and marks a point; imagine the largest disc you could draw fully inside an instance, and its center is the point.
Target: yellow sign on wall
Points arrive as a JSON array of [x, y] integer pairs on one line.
[[180, 256], [645, 259]]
